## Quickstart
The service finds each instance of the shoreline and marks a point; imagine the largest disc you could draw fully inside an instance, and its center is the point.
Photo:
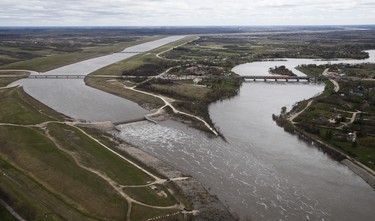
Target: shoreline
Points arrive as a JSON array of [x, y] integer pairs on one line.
[[205, 206], [355, 166], [209, 207], [367, 174]]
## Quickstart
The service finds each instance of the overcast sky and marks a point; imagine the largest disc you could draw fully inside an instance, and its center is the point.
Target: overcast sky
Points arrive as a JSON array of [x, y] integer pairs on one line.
[[185, 12]]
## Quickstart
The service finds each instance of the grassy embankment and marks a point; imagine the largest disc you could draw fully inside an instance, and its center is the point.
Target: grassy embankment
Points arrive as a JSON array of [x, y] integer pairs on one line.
[[341, 109], [145, 64], [10, 76], [329, 117], [46, 58], [189, 97], [52, 171]]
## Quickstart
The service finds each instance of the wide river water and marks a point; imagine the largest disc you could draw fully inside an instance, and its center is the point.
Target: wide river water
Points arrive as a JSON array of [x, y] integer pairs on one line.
[[74, 99], [261, 172]]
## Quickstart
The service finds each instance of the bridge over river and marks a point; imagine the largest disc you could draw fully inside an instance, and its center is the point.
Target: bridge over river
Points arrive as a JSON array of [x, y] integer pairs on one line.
[[279, 77]]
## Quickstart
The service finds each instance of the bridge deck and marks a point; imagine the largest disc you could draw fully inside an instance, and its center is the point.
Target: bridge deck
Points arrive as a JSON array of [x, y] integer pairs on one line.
[[57, 76], [277, 77]]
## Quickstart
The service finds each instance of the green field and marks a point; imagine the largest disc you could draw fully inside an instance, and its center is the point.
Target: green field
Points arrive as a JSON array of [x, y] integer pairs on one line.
[[48, 60], [147, 61], [55, 171], [10, 76], [6, 215], [328, 118], [116, 87]]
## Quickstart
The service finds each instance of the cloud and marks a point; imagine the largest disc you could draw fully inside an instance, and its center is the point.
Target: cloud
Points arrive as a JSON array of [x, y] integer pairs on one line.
[[185, 12]]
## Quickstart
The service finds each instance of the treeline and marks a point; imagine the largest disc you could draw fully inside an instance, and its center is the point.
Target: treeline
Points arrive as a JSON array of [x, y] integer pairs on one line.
[[151, 67], [222, 88]]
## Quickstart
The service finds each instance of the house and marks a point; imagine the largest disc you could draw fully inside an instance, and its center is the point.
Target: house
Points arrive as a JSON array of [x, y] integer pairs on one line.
[[351, 137]]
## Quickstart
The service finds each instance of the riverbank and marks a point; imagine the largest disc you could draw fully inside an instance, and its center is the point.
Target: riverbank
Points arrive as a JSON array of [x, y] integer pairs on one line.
[[121, 178], [287, 122], [202, 205], [207, 206], [358, 168]]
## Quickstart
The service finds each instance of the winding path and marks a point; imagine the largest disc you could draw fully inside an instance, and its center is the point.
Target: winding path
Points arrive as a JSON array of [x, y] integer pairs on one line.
[[294, 115], [116, 186], [167, 101]]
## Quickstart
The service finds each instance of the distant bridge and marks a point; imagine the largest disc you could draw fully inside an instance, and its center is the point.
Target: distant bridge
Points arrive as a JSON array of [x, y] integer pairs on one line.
[[254, 78], [279, 77], [50, 76]]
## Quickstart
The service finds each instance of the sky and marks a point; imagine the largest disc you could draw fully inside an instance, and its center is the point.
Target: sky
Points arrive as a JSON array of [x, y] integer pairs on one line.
[[185, 12]]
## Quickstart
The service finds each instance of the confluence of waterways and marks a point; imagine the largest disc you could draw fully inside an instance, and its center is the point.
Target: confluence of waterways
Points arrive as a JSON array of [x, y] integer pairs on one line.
[[261, 173]]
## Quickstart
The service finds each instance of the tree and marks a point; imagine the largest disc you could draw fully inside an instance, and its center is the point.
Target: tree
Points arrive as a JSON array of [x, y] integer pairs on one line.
[[354, 144], [328, 135], [283, 110]]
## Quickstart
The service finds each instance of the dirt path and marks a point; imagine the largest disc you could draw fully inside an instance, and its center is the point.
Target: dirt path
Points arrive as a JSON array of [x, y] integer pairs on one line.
[[167, 101], [19, 70], [116, 186], [294, 115], [335, 84], [9, 87]]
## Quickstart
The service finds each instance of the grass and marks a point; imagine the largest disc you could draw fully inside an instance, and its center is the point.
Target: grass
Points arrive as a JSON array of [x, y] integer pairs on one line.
[[361, 152], [5, 78], [151, 197], [315, 119], [140, 215], [6, 81], [38, 156], [56, 60], [19, 108], [95, 156], [174, 44], [46, 180], [115, 87], [5, 215], [139, 60], [120, 66], [311, 70], [13, 184], [186, 90]]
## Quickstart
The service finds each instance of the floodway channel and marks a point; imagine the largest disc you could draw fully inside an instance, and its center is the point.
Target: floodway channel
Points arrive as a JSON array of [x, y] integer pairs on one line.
[[85, 104]]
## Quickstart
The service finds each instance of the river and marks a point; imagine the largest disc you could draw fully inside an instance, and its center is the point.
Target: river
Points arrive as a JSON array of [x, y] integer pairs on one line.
[[74, 99], [261, 172]]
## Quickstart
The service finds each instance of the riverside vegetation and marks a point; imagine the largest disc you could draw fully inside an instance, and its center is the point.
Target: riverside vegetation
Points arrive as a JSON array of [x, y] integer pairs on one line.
[[198, 70], [199, 73], [343, 119]]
